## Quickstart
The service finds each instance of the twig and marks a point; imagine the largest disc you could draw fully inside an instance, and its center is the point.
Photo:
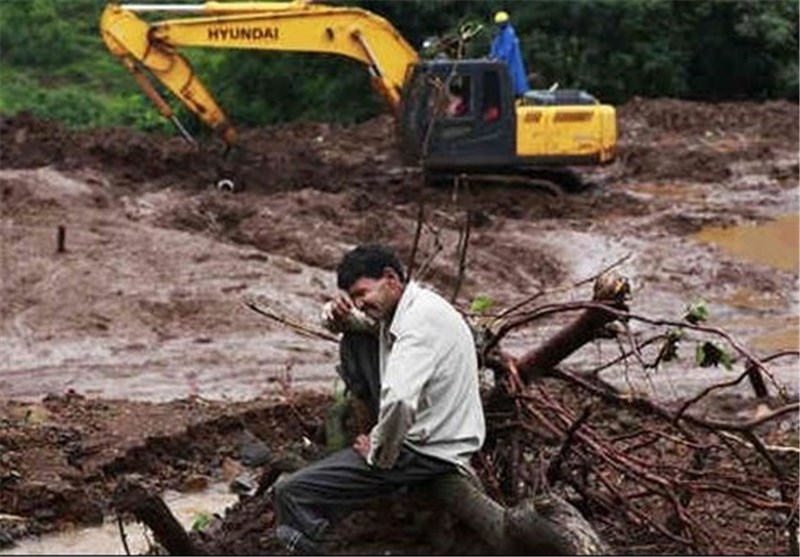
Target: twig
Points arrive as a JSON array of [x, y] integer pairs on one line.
[[437, 247], [603, 271], [712, 330], [555, 464], [791, 522], [510, 310], [463, 245], [550, 309], [299, 417], [290, 323], [747, 425], [417, 234], [708, 390], [624, 356], [647, 405], [540, 312], [123, 536]]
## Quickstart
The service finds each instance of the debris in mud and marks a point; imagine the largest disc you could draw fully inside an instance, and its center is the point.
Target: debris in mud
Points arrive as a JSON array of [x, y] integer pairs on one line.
[[305, 201], [61, 458]]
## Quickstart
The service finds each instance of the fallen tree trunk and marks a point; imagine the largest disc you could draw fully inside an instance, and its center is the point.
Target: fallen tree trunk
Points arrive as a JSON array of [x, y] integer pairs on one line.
[[542, 525], [610, 290], [151, 510]]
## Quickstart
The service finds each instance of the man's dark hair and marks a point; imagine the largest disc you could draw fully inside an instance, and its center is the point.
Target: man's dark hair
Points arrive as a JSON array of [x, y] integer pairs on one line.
[[368, 261]]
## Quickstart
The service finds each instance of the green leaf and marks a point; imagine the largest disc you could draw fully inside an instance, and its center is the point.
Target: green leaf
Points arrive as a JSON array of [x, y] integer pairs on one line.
[[201, 521], [481, 304], [727, 359], [709, 354], [697, 312]]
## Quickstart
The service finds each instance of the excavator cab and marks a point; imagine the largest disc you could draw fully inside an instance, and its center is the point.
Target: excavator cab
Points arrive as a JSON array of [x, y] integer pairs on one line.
[[538, 137], [457, 114]]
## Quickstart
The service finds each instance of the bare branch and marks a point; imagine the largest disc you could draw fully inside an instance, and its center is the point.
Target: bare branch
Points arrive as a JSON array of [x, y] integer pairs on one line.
[[299, 327]]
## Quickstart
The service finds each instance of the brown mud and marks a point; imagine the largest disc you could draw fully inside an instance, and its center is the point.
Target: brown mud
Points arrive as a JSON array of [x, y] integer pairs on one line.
[[131, 352]]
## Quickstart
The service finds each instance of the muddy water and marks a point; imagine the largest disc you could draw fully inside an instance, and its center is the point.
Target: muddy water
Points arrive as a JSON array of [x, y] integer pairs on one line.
[[761, 312], [105, 540], [164, 320], [233, 367], [775, 243]]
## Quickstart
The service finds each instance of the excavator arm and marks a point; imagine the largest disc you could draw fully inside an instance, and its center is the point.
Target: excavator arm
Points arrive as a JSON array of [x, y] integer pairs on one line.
[[151, 49]]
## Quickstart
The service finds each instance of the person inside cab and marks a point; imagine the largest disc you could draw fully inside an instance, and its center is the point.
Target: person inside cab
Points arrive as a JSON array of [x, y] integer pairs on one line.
[[505, 47], [457, 101]]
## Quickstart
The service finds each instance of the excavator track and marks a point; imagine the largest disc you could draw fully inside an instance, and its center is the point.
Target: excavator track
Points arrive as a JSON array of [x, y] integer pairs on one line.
[[554, 181]]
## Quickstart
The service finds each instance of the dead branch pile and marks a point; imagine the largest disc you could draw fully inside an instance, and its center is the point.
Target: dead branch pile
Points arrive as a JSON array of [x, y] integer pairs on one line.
[[650, 476], [662, 475]]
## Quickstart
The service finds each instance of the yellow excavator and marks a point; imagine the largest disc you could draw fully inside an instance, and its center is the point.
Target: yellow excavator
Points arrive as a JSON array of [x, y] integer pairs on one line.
[[492, 132]]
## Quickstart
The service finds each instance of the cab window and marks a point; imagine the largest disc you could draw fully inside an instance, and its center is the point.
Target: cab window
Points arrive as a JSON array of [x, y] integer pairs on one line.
[[491, 105]]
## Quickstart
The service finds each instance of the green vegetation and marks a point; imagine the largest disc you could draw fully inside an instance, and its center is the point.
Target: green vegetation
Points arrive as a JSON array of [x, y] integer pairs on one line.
[[710, 354], [201, 521], [481, 303], [54, 64], [697, 312]]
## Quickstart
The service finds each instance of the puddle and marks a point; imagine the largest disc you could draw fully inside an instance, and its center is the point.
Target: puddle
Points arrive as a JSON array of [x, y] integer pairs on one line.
[[773, 333], [747, 298], [777, 334], [105, 539], [787, 339], [775, 243]]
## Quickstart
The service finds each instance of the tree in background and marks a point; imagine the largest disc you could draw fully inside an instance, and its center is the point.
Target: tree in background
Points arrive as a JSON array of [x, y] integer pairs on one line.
[[53, 62], [746, 50]]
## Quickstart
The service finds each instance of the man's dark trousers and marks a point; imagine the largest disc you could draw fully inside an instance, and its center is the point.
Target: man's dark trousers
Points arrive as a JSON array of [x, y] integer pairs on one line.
[[308, 500]]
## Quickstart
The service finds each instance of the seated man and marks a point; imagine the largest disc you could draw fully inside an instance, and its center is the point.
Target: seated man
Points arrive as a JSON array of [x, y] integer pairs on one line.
[[419, 370]]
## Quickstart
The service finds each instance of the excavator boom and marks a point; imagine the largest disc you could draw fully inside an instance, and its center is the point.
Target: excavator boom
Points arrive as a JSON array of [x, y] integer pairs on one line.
[[150, 49]]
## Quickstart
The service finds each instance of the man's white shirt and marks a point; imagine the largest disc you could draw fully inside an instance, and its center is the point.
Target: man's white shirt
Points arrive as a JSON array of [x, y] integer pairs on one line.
[[430, 398]]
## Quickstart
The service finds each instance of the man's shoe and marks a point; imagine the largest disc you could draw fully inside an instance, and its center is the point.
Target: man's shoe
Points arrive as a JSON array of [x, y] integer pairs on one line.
[[295, 542]]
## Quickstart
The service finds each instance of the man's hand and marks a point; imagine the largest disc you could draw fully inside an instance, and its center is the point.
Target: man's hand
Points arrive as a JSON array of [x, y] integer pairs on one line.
[[340, 315], [341, 308], [362, 445], [335, 314]]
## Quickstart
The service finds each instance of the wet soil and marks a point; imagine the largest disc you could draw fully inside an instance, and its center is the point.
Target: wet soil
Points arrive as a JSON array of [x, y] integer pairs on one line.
[[131, 352], [62, 457]]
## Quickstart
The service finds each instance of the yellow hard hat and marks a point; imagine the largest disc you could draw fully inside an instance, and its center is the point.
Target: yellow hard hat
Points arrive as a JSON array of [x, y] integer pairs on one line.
[[500, 17]]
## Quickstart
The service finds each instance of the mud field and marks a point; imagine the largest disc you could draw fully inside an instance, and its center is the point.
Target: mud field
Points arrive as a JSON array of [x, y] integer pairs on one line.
[[132, 351]]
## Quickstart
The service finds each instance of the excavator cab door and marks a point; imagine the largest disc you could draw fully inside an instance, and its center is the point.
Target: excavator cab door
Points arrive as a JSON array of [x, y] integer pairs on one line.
[[458, 115]]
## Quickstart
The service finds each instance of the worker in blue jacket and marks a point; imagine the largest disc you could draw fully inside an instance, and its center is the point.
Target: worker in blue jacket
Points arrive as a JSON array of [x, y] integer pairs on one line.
[[505, 47]]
